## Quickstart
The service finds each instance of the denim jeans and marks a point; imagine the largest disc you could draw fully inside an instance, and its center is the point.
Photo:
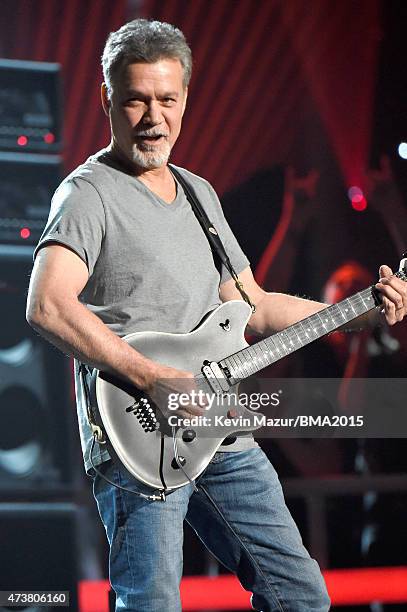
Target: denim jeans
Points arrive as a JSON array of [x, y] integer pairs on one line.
[[264, 549]]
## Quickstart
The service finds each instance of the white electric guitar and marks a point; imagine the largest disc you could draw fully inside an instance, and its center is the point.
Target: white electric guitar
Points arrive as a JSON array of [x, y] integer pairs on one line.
[[166, 457]]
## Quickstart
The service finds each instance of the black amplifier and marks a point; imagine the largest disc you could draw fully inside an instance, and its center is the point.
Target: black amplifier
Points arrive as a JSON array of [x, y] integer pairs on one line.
[[30, 106], [27, 183]]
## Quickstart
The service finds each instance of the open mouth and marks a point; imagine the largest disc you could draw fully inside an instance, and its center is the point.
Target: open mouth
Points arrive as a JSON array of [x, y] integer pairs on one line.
[[150, 138]]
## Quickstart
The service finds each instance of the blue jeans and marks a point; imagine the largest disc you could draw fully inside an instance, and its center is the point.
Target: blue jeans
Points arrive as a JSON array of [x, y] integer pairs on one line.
[[146, 537]]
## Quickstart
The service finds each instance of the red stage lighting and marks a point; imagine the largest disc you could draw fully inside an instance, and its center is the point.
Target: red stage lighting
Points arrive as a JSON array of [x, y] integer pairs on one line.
[[359, 203], [345, 587], [358, 200]]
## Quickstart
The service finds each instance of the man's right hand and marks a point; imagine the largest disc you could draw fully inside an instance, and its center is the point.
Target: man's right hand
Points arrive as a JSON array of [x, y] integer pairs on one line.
[[171, 388]]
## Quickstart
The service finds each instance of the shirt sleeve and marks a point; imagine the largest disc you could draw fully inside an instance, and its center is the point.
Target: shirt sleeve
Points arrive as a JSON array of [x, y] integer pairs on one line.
[[76, 220], [233, 250]]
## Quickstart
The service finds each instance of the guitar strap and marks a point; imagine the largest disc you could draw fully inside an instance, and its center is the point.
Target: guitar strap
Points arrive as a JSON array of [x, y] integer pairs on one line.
[[85, 371], [212, 235]]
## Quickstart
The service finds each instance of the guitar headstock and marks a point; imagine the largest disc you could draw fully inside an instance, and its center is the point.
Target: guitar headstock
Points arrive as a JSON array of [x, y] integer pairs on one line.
[[402, 273]]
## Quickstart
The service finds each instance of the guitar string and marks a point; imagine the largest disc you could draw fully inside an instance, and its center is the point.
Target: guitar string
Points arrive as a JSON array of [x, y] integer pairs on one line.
[[356, 303]]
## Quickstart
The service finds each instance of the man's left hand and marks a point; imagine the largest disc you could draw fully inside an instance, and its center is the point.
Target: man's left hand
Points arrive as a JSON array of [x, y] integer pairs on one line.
[[394, 293]]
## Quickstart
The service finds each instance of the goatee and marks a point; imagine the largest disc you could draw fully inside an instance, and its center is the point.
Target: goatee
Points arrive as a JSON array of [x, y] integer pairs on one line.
[[149, 158]]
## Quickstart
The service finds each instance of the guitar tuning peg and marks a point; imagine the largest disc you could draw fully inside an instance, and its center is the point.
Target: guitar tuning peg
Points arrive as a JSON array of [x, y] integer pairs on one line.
[[403, 263]]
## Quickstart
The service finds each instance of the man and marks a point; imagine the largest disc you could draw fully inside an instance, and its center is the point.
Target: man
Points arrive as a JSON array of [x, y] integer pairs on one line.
[[123, 252]]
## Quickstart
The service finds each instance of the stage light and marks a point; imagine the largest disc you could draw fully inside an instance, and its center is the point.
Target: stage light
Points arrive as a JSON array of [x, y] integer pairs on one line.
[[403, 150], [345, 587], [355, 193], [22, 140], [357, 199], [359, 204]]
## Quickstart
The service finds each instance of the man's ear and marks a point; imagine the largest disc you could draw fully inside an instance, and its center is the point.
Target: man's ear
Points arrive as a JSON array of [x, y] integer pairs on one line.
[[185, 100], [105, 99]]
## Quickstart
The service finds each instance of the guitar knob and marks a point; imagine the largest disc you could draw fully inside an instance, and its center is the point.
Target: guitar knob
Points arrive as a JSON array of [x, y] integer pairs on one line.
[[189, 435], [181, 461]]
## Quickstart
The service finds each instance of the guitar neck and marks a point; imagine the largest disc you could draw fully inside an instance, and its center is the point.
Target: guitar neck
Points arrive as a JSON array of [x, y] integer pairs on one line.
[[258, 356]]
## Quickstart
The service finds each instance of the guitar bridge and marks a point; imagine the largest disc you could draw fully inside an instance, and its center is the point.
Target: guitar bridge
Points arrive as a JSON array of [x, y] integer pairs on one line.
[[145, 414]]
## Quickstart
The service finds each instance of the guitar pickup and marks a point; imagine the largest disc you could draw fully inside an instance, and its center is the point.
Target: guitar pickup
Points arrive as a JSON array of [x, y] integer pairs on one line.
[[215, 376]]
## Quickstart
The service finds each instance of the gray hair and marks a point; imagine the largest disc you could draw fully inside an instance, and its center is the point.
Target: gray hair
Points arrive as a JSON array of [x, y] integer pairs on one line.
[[147, 41]]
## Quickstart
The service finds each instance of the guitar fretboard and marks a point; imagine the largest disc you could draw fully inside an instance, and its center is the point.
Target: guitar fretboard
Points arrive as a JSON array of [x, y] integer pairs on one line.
[[254, 358]]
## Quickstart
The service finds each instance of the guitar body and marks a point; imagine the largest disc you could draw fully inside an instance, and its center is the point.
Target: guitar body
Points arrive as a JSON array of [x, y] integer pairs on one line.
[[129, 423], [165, 455]]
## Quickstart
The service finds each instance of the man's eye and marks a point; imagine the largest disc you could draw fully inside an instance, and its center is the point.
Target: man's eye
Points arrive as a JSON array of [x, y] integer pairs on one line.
[[132, 100]]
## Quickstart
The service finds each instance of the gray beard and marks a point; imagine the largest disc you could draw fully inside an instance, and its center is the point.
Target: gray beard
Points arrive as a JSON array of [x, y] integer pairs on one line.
[[149, 158]]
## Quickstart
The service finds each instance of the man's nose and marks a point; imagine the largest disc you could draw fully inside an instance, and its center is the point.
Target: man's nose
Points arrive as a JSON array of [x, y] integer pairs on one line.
[[152, 115]]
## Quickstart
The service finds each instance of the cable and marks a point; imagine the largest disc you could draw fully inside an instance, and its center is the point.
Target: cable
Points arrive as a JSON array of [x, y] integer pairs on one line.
[[232, 530], [161, 497], [178, 461]]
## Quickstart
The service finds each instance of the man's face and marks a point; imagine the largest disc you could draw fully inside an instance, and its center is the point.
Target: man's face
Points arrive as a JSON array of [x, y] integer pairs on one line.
[[145, 110]]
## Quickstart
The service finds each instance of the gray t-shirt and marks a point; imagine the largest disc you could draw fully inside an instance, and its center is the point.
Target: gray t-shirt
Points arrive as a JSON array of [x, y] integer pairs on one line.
[[150, 264]]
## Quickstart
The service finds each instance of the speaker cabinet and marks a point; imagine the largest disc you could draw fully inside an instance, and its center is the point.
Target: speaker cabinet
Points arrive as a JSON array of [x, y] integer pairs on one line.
[[38, 551], [37, 415]]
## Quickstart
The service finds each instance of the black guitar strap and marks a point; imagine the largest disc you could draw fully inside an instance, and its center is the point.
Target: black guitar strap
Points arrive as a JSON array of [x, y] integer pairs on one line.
[[210, 231]]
